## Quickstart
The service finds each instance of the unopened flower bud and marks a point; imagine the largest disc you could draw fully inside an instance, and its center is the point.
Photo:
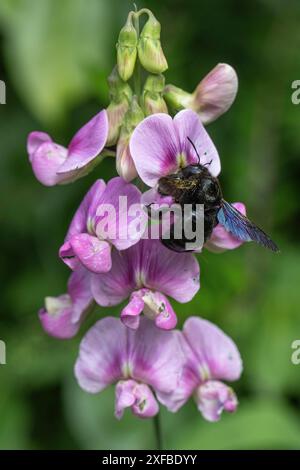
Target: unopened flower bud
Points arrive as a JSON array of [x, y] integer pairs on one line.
[[149, 47], [124, 163], [120, 94], [117, 87], [177, 98], [127, 50], [153, 101], [215, 93], [213, 96]]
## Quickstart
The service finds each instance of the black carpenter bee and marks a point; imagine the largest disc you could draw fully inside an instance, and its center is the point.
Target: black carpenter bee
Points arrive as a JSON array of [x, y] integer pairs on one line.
[[195, 185]]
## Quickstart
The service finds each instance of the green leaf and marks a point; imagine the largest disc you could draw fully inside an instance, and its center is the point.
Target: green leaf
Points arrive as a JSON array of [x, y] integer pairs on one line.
[[53, 49]]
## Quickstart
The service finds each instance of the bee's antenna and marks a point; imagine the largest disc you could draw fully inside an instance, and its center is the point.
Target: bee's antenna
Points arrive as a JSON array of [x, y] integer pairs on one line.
[[194, 147]]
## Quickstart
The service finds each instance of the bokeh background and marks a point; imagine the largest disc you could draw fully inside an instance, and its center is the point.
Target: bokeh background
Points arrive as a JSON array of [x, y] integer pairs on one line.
[[55, 56]]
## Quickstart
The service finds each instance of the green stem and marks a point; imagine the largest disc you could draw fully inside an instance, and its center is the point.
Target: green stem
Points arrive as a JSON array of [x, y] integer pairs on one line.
[[157, 431]]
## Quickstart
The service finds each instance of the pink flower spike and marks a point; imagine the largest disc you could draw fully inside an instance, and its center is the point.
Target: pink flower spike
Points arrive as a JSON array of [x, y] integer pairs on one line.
[[63, 315], [222, 240], [159, 145], [53, 164]]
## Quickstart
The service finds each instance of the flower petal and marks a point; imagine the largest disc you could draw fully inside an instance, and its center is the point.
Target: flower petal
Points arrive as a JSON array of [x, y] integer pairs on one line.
[[79, 288], [189, 126], [114, 217], [215, 93], [153, 147], [113, 287], [63, 315], [35, 139], [82, 219], [87, 143], [213, 397], [174, 274], [220, 239], [130, 313], [93, 253], [137, 396], [46, 160], [215, 354], [102, 353], [154, 356], [56, 317]]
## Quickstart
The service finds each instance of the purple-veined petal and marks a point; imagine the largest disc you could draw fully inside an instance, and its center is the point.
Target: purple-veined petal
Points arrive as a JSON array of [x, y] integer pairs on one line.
[[113, 287], [35, 139], [222, 240], [82, 220], [46, 160], [147, 264], [213, 397], [138, 397], [114, 217], [154, 147], [154, 356], [102, 354], [188, 379], [188, 125], [174, 274], [87, 143], [215, 93], [215, 354]]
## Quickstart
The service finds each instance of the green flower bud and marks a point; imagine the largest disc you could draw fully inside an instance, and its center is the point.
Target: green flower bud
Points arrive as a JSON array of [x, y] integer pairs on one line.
[[153, 101], [127, 49], [120, 95], [124, 163], [149, 47], [117, 87], [177, 98], [115, 113]]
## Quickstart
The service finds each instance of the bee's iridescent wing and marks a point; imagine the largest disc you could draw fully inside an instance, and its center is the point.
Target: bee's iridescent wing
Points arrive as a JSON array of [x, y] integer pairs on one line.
[[242, 228]]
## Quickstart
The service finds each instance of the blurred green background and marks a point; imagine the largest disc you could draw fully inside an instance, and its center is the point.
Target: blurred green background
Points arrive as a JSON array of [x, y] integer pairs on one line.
[[54, 57]]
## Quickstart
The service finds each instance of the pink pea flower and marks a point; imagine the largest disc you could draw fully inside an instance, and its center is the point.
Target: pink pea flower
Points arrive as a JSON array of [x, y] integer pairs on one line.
[[54, 164], [210, 357], [147, 273], [213, 96], [141, 363], [159, 146], [63, 315], [87, 241]]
